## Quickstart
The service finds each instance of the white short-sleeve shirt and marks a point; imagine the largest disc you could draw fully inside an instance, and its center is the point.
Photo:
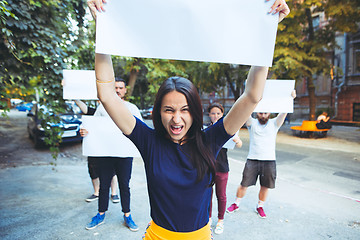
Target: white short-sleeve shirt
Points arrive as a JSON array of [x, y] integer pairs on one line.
[[262, 140], [100, 110]]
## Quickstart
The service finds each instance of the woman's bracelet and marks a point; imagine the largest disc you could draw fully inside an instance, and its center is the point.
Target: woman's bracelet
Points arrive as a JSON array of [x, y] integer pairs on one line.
[[99, 81]]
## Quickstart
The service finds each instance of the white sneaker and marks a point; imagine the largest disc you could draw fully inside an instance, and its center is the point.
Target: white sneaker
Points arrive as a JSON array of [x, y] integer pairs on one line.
[[219, 228]]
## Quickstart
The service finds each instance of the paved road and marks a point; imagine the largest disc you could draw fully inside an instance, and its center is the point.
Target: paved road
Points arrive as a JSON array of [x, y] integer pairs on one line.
[[316, 197]]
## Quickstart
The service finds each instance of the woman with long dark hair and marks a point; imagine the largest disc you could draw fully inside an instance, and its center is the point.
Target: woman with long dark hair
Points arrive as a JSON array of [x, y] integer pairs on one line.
[[179, 157]]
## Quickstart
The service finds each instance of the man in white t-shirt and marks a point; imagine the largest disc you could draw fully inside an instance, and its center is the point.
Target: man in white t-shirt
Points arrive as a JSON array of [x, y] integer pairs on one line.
[[261, 160]]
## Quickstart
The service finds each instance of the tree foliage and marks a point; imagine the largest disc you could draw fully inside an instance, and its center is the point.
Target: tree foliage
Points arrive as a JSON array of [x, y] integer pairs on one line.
[[301, 49], [37, 37]]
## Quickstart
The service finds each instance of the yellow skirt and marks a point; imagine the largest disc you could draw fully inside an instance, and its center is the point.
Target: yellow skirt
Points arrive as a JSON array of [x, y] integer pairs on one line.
[[155, 232]]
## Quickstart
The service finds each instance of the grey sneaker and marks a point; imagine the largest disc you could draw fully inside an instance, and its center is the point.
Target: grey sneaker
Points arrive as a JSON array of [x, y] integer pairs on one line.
[[115, 198], [92, 198], [219, 228]]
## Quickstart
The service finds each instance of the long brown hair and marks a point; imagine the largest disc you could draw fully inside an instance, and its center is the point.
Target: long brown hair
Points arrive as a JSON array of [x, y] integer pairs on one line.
[[201, 155]]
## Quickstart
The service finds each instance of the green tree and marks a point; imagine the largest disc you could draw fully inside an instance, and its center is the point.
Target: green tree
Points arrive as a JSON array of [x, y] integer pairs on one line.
[[301, 49], [37, 37]]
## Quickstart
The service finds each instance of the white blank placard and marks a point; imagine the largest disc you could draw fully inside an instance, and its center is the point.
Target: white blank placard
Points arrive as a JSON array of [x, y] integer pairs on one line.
[[79, 84], [277, 97], [106, 139], [226, 31]]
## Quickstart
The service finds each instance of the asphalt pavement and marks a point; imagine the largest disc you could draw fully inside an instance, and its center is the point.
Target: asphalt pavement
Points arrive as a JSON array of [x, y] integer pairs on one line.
[[43, 201]]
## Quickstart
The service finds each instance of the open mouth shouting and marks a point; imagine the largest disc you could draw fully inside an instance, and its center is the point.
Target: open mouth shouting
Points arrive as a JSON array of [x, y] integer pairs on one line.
[[176, 129], [175, 116]]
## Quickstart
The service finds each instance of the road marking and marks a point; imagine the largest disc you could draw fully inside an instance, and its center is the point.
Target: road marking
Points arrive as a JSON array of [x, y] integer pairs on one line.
[[300, 185], [321, 190]]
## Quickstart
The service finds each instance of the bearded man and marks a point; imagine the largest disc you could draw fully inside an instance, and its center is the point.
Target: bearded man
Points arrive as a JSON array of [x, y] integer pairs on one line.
[[261, 160]]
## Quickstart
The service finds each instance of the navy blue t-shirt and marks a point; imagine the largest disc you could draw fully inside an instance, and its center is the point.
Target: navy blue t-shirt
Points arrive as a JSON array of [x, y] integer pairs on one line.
[[178, 201]]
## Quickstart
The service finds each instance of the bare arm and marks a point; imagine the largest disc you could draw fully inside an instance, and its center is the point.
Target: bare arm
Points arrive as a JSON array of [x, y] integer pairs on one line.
[[82, 106], [105, 83], [280, 7], [249, 122], [280, 119], [237, 140], [245, 105], [281, 116]]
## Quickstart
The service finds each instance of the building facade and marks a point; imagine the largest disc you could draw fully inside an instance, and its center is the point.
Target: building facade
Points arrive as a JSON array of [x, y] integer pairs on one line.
[[338, 91]]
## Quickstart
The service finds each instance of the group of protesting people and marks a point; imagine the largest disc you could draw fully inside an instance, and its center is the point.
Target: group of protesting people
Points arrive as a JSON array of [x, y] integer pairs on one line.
[[183, 160]]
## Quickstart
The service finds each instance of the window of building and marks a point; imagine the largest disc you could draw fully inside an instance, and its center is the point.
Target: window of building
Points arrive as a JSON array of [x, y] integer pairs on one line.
[[356, 112], [357, 57], [316, 22]]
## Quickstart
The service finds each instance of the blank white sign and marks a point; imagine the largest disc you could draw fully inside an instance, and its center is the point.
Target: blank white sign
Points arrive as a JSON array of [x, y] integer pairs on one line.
[[226, 31], [277, 97], [79, 84], [106, 139]]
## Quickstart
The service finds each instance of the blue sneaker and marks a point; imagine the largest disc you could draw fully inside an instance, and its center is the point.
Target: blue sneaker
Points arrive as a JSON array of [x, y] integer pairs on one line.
[[96, 221], [130, 223]]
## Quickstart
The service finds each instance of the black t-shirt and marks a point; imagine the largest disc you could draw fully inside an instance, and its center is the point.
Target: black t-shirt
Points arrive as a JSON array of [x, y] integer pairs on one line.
[[222, 163], [90, 111]]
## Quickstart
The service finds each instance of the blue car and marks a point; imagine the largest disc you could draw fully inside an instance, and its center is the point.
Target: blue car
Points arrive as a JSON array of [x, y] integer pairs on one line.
[[24, 107], [69, 123]]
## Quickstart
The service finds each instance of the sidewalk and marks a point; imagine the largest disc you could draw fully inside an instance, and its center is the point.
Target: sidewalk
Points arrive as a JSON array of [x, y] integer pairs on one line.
[[339, 138], [351, 134]]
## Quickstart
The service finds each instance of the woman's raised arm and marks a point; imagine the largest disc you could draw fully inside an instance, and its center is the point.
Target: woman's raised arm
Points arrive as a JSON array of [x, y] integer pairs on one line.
[[245, 105], [105, 83]]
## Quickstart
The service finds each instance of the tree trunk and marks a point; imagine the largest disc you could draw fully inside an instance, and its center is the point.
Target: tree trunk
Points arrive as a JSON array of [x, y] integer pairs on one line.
[[309, 79], [133, 76], [234, 91], [312, 98]]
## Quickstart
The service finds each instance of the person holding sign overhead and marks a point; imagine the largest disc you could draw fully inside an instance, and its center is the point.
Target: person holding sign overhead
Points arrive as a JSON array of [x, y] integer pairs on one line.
[[179, 157], [261, 160], [122, 166], [93, 168]]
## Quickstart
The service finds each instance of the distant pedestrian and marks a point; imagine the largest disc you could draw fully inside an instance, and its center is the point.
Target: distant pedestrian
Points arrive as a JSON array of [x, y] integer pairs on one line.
[[216, 112], [261, 160], [323, 121]]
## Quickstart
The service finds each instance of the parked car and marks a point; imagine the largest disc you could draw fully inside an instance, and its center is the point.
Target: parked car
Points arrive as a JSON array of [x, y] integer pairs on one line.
[[69, 123], [24, 107], [146, 113], [15, 102]]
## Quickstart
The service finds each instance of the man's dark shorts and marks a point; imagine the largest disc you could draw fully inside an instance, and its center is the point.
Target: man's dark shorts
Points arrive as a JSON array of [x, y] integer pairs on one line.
[[266, 170]]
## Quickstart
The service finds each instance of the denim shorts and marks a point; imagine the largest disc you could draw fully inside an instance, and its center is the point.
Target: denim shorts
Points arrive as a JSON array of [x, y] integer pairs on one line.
[[266, 170]]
